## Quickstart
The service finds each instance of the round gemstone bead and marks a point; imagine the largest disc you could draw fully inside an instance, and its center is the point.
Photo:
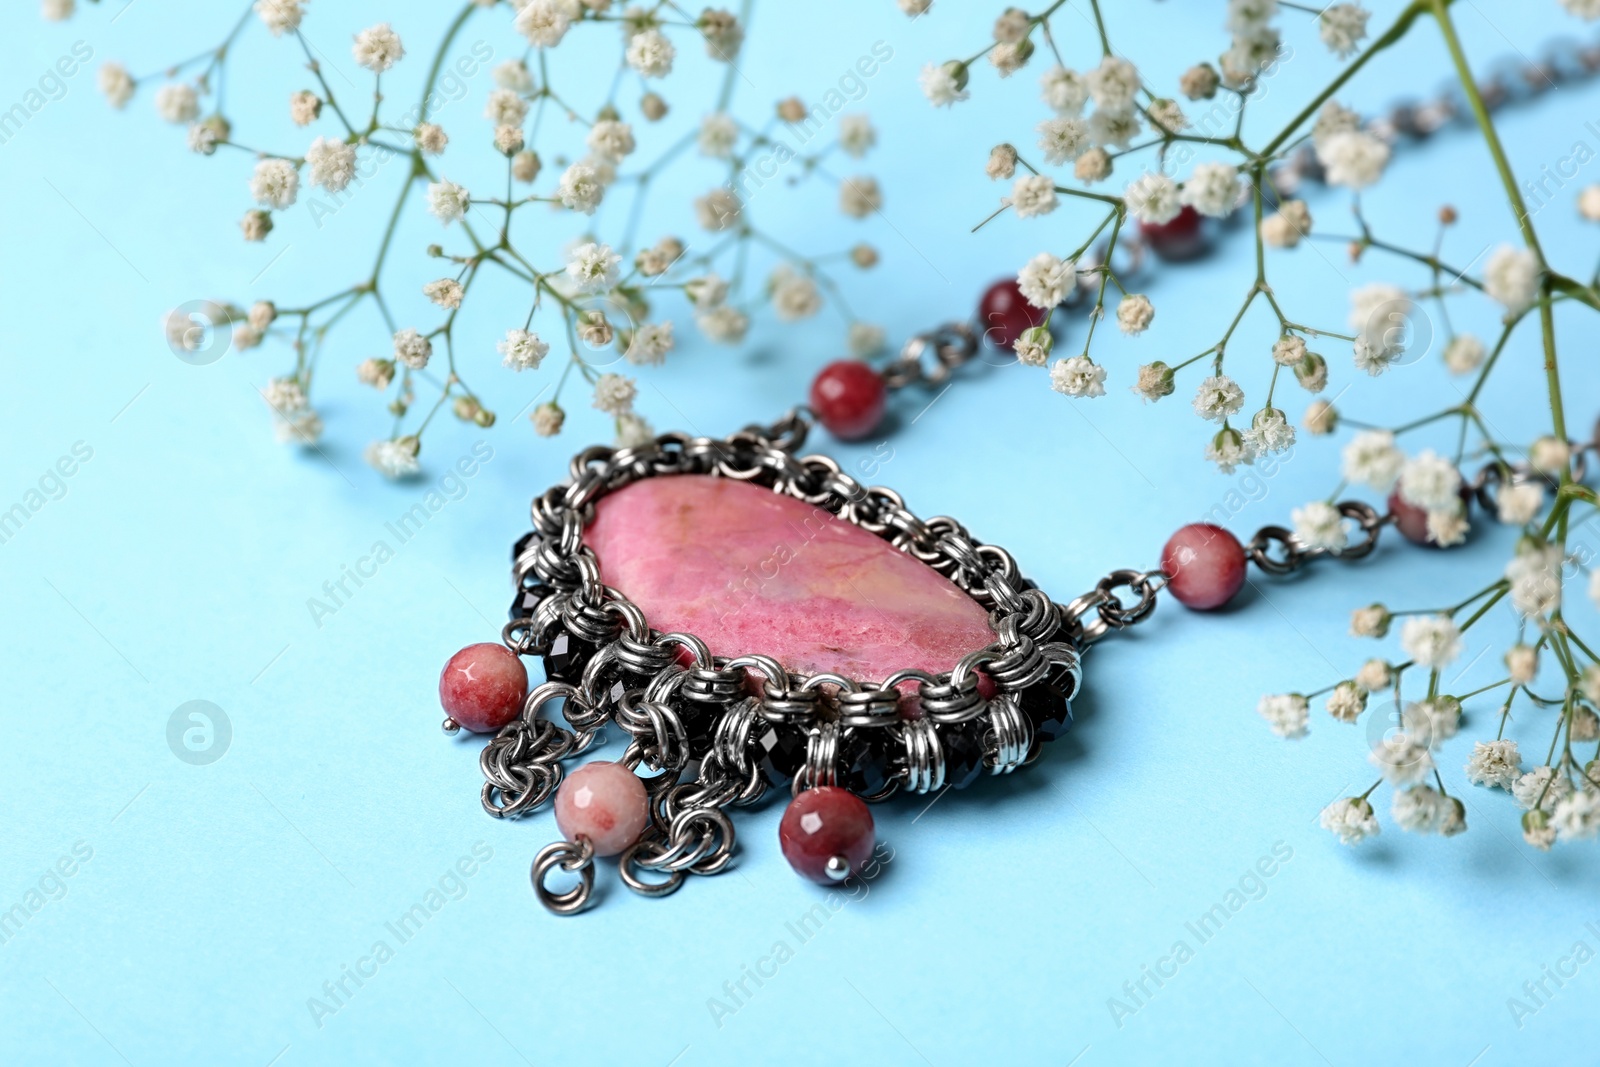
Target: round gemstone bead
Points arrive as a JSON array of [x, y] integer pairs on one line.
[[1204, 566], [826, 834], [849, 398], [604, 802], [1183, 237], [1004, 313], [1412, 521], [483, 686]]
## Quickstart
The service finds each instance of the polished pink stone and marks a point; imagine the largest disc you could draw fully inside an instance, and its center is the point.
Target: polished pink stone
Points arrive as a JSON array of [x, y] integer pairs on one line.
[[483, 686], [749, 571], [820, 824], [1204, 565], [604, 802]]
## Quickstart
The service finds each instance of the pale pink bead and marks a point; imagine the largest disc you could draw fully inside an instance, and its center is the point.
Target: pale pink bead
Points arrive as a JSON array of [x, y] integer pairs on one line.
[[1204, 565], [604, 802]]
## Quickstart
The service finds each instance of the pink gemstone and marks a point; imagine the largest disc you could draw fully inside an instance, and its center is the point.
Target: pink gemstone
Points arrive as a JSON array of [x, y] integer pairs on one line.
[[821, 824], [749, 571], [604, 802], [1185, 236], [483, 686], [1204, 566], [1412, 521]]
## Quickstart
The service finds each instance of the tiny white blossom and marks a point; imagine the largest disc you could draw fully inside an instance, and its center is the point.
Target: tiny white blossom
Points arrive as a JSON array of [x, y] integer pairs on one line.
[[614, 394], [377, 373], [1033, 195], [856, 135], [1541, 782], [1464, 353], [448, 201], [1432, 641], [1550, 455], [1342, 28], [1064, 90], [944, 84], [445, 292], [1288, 350], [1045, 279], [115, 83], [1589, 203], [649, 344], [543, 22], [412, 349], [506, 107], [1535, 577], [719, 209], [723, 324], [280, 16], [1432, 721], [275, 183], [1213, 189], [1494, 764], [1033, 346], [1448, 526], [633, 431], [547, 419], [522, 350], [513, 74], [1430, 481], [1522, 664], [1217, 398], [1351, 818], [865, 339], [651, 54], [1371, 458], [1153, 197], [332, 163], [1347, 701], [860, 196], [1134, 314], [1269, 433], [1370, 621], [1078, 376], [1422, 809], [1401, 759], [1227, 450], [431, 139], [707, 291], [1113, 129], [1353, 159], [794, 296], [378, 48], [396, 458], [1287, 714], [1374, 675], [1517, 504], [1320, 525], [1113, 84], [177, 103], [1511, 276], [1063, 139], [1577, 815], [1286, 227], [719, 133], [593, 267]]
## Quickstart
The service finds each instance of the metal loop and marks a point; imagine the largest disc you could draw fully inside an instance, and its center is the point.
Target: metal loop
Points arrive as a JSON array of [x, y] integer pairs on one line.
[[572, 857]]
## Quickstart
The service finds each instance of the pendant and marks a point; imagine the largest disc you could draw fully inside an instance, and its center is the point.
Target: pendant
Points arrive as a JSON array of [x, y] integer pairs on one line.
[[757, 621]]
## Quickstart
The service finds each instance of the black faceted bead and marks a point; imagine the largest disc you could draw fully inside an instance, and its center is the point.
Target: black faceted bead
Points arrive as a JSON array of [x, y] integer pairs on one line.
[[780, 752], [522, 543], [963, 753], [527, 599], [1045, 704], [565, 660], [698, 720], [864, 761]]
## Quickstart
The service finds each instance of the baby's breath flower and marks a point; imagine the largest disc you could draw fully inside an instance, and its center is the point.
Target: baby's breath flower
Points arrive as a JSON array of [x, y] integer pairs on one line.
[[794, 296], [1464, 353], [1430, 481], [446, 292], [1012, 25], [1401, 759], [547, 419], [1093, 166], [1154, 381], [1550, 455], [580, 189], [1374, 675], [332, 163], [1370, 621], [1433, 721], [1432, 641], [1319, 525], [856, 135], [377, 373], [280, 16], [860, 196], [1535, 577], [1589, 203], [1351, 819], [1167, 116], [543, 22], [723, 324], [525, 165], [1002, 162], [593, 267], [1371, 458], [1045, 279], [508, 140], [1061, 139], [1287, 714], [304, 107], [1199, 82], [1033, 346], [115, 83], [649, 344], [718, 210], [1079, 377], [1213, 189], [378, 48], [1321, 417], [1541, 782], [522, 350], [1342, 28], [1347, 701], [1153, 197], [1288, 225], [513, 74], [1288, 350], [1576, 816], [1269, 433], [1033, 195], [1522, 663], [395, 459], [1218, 397], [944, 84], [1010, 58], [1353, 159], [448, 201], [719, 133], [1227, 450], [1537, 831], [915, 7], [1135, 313], [865, 339], [633, 431], [505, 107], [57, 10], [412, 349], [431, 139], [1114, 129], [1113, 83], [255, 225], [1517, 504], [651, 54], [722, 33], [1494, 764], [275, 183], [1511, 276], [1448, 526], [614, 394], [1064, 90], [1312, 373]]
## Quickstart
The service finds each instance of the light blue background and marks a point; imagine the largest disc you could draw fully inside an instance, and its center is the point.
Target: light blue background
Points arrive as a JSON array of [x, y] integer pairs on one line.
[[220, 898]]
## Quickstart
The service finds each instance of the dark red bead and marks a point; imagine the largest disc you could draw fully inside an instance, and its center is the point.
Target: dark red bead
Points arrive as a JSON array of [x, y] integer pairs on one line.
[[1412, 521], [1204, 565], [1184, 236], [824, 823], [1004, 313], [483, 686], [849, 397]]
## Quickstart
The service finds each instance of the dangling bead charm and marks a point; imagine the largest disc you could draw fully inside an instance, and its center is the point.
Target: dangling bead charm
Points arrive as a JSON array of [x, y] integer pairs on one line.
[[604, 802], [826, 834], [482, 688], [849, 398], [1204, 565]]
